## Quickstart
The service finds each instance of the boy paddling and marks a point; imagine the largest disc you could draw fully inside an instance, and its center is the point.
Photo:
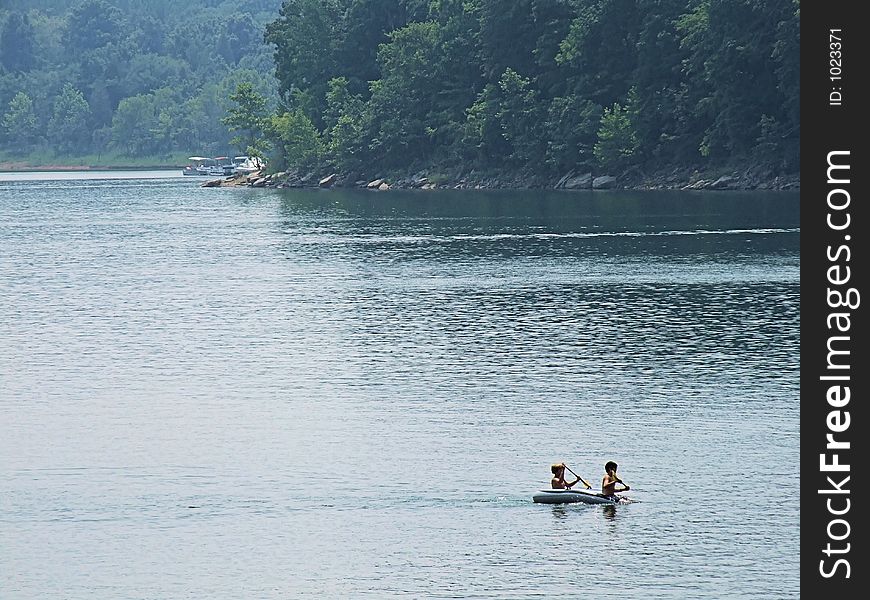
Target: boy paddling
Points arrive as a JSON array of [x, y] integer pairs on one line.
[[558, 481], [609, 481]]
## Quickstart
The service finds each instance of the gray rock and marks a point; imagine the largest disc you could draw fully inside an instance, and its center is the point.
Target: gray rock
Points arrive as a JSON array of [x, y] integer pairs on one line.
[[328, 181], [603, 182], [721, 183], [578, 182], [566, 177], [698, 185]]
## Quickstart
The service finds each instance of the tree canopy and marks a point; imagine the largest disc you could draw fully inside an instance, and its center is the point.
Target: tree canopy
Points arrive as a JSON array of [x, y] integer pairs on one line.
[[135, 77], [543, 85], [537, 86]]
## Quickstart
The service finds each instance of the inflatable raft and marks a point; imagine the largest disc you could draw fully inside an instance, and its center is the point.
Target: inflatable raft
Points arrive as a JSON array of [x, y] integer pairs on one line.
[[571, 496]]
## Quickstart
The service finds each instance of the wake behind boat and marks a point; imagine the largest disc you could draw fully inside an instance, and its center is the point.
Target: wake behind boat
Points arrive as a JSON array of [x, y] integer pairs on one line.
[[572, 496]]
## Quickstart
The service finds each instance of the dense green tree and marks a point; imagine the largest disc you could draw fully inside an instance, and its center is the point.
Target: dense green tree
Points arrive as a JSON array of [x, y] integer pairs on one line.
[[132, 123], [599, 53], [48, 48], [19, 122], [148, 72], [571, 132], [483, 140], [101, 98], [149, 124], [345, 130], [520, 117], [366, 25], [68, 127], [617, 140], [730, 45], [93, 24], [202, 116], [459, 86], [402, 99], [296, 139], [236, 38], [509, 32], [305, 37], [662, 133], [249, 118], [783, 151]]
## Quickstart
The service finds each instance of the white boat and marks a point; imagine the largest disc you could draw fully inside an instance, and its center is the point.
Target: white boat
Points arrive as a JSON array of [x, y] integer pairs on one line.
[[208, 167], [247, 164], [199, 165], [573, 496], [225, 165], [195, 163]]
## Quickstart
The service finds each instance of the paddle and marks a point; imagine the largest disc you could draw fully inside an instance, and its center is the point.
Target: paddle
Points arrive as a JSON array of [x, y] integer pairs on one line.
[[624, 485], [588, 487]]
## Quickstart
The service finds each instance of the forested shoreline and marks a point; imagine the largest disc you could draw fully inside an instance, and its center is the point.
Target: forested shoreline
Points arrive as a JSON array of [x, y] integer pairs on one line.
[[490, 93], [534, 91]]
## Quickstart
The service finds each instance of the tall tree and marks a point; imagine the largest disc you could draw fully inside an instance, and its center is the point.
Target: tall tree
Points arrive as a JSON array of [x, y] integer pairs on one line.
[[68, 127], [305, 37], [249, 118], [19, 122], [400, 108]]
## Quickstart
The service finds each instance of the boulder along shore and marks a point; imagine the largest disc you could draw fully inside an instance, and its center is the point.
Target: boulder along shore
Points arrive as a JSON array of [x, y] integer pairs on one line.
[[677, 179]]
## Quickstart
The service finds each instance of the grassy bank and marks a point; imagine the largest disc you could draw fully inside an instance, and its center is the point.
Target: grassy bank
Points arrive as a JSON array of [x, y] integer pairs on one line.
[[50, 161]]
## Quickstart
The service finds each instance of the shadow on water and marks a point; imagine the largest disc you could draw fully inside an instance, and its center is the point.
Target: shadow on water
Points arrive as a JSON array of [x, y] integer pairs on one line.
[[562, 511], [612, 210]]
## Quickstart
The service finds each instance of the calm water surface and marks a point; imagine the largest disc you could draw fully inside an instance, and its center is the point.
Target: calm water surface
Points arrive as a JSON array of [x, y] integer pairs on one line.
[[234, 393]]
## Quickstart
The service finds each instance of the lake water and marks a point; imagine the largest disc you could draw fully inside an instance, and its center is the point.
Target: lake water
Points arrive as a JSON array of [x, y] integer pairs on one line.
[[239, 393]]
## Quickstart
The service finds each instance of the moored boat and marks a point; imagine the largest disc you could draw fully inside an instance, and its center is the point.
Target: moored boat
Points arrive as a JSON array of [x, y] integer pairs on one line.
[[572, 496], [209, 167], [199, 165], [225, 165], [247, 164]]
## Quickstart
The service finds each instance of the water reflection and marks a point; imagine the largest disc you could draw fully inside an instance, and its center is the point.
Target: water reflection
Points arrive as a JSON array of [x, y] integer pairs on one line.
[[560, 511]]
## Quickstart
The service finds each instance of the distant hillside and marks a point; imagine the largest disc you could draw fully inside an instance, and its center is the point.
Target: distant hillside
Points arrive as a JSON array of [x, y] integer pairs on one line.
[[129, 77]]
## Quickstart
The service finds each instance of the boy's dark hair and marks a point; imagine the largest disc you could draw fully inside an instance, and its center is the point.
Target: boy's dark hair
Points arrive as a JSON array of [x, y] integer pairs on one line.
[[610, 466]]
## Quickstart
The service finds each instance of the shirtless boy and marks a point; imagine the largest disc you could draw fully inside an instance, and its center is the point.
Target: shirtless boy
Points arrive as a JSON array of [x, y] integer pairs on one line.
[[608, 483], [558, 482]]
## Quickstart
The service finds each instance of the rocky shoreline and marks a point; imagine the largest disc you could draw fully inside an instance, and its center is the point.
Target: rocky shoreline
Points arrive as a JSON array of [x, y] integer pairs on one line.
[[677, 179]]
